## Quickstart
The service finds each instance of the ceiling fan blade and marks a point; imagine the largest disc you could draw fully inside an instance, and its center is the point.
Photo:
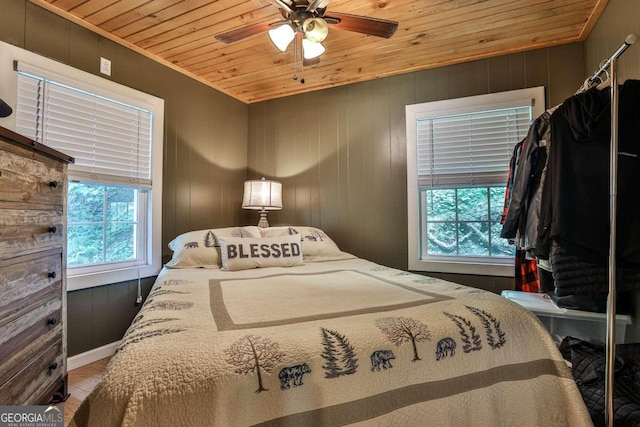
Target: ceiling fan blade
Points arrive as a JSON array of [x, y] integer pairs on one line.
[[282, 4], [244, 32], [317, 4], [362, 24]]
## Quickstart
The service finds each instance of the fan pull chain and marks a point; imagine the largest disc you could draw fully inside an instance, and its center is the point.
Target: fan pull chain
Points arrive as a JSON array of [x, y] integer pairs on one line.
[[295, 63], [295, 60]]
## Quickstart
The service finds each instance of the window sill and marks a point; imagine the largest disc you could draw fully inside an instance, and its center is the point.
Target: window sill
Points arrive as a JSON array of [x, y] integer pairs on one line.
[[505, 269], [91, 280]]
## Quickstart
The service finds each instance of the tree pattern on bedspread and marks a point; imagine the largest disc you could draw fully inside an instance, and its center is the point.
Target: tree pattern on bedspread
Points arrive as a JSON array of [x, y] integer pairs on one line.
[[404, 329], [338, 353], [253, 353]]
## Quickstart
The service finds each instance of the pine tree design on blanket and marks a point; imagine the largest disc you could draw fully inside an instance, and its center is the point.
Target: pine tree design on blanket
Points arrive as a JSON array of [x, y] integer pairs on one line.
[[255, 354]]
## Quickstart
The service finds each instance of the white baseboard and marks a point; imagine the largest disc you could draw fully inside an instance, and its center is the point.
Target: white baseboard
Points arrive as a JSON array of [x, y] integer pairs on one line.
[[91, 356]]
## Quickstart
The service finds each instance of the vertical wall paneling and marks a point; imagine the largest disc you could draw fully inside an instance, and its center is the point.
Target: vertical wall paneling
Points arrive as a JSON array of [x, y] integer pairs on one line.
[[360, 193], [401, 92], [564, 77], [537, 69], [499, 74], [378, 144], [82, 52], [101, 315], [516, 68], [12, 30], [46, 33], [619, 19], [327, 147], [426, 86], [362, 187]]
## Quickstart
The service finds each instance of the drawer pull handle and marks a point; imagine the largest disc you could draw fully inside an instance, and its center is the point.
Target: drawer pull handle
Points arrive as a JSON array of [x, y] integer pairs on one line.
[[53, 229], [53, 366], [53, 184], [52, 321], [52, 275]]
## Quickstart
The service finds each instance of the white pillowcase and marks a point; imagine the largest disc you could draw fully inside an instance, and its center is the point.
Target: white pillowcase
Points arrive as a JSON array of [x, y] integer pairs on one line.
[[315, 242], [201, 248], [243, 254]]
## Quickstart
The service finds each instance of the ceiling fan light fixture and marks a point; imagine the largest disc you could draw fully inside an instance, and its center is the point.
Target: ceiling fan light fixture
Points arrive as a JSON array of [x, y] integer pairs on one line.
[[315, 29], [282, 36], [311, 49]]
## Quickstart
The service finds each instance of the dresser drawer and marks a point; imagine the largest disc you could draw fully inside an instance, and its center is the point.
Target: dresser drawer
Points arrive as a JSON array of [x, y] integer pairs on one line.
[[25, 231], [28, 386], [24, 180], [27, 336], [28, 281]]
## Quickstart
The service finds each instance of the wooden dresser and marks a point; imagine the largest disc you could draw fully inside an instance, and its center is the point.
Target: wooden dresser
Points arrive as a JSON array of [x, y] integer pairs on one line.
[[33, 344]]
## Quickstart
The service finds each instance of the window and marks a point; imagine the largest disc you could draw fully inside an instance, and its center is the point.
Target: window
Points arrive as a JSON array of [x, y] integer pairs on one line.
[[458, 154], [104, 225], [115, 185]]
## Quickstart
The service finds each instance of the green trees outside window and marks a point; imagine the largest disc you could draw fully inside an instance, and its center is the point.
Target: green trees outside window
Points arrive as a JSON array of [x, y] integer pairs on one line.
[[465, 222], [102, 224]]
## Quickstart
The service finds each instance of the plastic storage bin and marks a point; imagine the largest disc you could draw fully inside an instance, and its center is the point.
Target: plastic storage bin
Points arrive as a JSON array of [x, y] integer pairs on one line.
[[563, 322]]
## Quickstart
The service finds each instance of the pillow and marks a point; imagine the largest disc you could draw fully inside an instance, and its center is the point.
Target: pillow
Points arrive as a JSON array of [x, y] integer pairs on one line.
[[242, 254], [201, 248], [315, 242]]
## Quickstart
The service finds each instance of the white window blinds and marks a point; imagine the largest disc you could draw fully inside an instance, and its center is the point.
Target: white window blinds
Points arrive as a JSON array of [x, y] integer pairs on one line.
[[469, 149], [110, 140]]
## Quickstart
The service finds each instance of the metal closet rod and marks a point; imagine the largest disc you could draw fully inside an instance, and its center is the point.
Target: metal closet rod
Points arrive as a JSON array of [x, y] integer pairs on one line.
[[613, 184], [628, 41], [611, 299]]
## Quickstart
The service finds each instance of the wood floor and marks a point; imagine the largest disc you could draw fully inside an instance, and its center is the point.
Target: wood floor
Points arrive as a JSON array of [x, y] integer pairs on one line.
[[81, 382]]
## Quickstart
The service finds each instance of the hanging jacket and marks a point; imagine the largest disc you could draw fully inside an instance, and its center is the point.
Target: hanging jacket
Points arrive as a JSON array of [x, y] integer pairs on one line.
[[524, 207], [510, 179], [575, 205]]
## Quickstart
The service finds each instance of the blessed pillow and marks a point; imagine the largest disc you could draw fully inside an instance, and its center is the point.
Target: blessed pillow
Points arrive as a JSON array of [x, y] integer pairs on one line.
[[201, 248], [315, 242], [242, 254]]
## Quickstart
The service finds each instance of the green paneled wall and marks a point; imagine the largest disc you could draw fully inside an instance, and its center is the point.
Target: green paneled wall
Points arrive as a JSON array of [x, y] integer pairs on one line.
[[341, 153]]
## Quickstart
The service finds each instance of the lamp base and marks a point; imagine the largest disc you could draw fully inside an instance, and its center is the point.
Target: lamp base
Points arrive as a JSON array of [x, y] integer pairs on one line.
[[263, 223]]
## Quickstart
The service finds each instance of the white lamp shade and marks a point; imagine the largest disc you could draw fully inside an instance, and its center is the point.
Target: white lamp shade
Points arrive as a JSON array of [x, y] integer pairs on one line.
[[282, 36], [262, 194], [311, 50], [315, 29]]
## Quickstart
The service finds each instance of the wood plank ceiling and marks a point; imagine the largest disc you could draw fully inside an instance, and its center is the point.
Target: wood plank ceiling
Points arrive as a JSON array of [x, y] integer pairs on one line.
[[431, 33]]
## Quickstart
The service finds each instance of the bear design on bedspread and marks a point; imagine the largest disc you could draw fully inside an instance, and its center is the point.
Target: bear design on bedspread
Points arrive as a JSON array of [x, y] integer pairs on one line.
[[292, 375], [260, 355], [381, 358], [446, 347]]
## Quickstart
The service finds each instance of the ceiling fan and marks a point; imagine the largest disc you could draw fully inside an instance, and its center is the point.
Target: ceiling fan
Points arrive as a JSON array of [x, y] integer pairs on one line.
[[310, 19]]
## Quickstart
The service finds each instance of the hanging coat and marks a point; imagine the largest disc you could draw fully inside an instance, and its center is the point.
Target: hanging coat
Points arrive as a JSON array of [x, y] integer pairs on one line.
[[575, 205]]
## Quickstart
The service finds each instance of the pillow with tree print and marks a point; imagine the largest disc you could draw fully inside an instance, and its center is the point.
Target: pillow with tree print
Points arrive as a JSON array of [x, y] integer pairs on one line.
[[316, 244], [201, 248]]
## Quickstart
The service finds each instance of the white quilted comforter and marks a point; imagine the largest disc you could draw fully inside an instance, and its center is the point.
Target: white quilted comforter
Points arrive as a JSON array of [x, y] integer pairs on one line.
[[344, 342]]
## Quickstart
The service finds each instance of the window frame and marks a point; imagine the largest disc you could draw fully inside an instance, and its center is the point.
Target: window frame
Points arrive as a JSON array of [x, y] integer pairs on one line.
[[491, 266], [10, 56], [142, 201]]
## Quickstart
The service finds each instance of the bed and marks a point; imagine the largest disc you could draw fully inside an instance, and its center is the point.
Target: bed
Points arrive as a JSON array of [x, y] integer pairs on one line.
[[317, 337]]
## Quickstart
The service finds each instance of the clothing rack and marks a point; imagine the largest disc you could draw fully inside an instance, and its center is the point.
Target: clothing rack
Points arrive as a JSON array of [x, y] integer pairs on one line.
[[612, 65]]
